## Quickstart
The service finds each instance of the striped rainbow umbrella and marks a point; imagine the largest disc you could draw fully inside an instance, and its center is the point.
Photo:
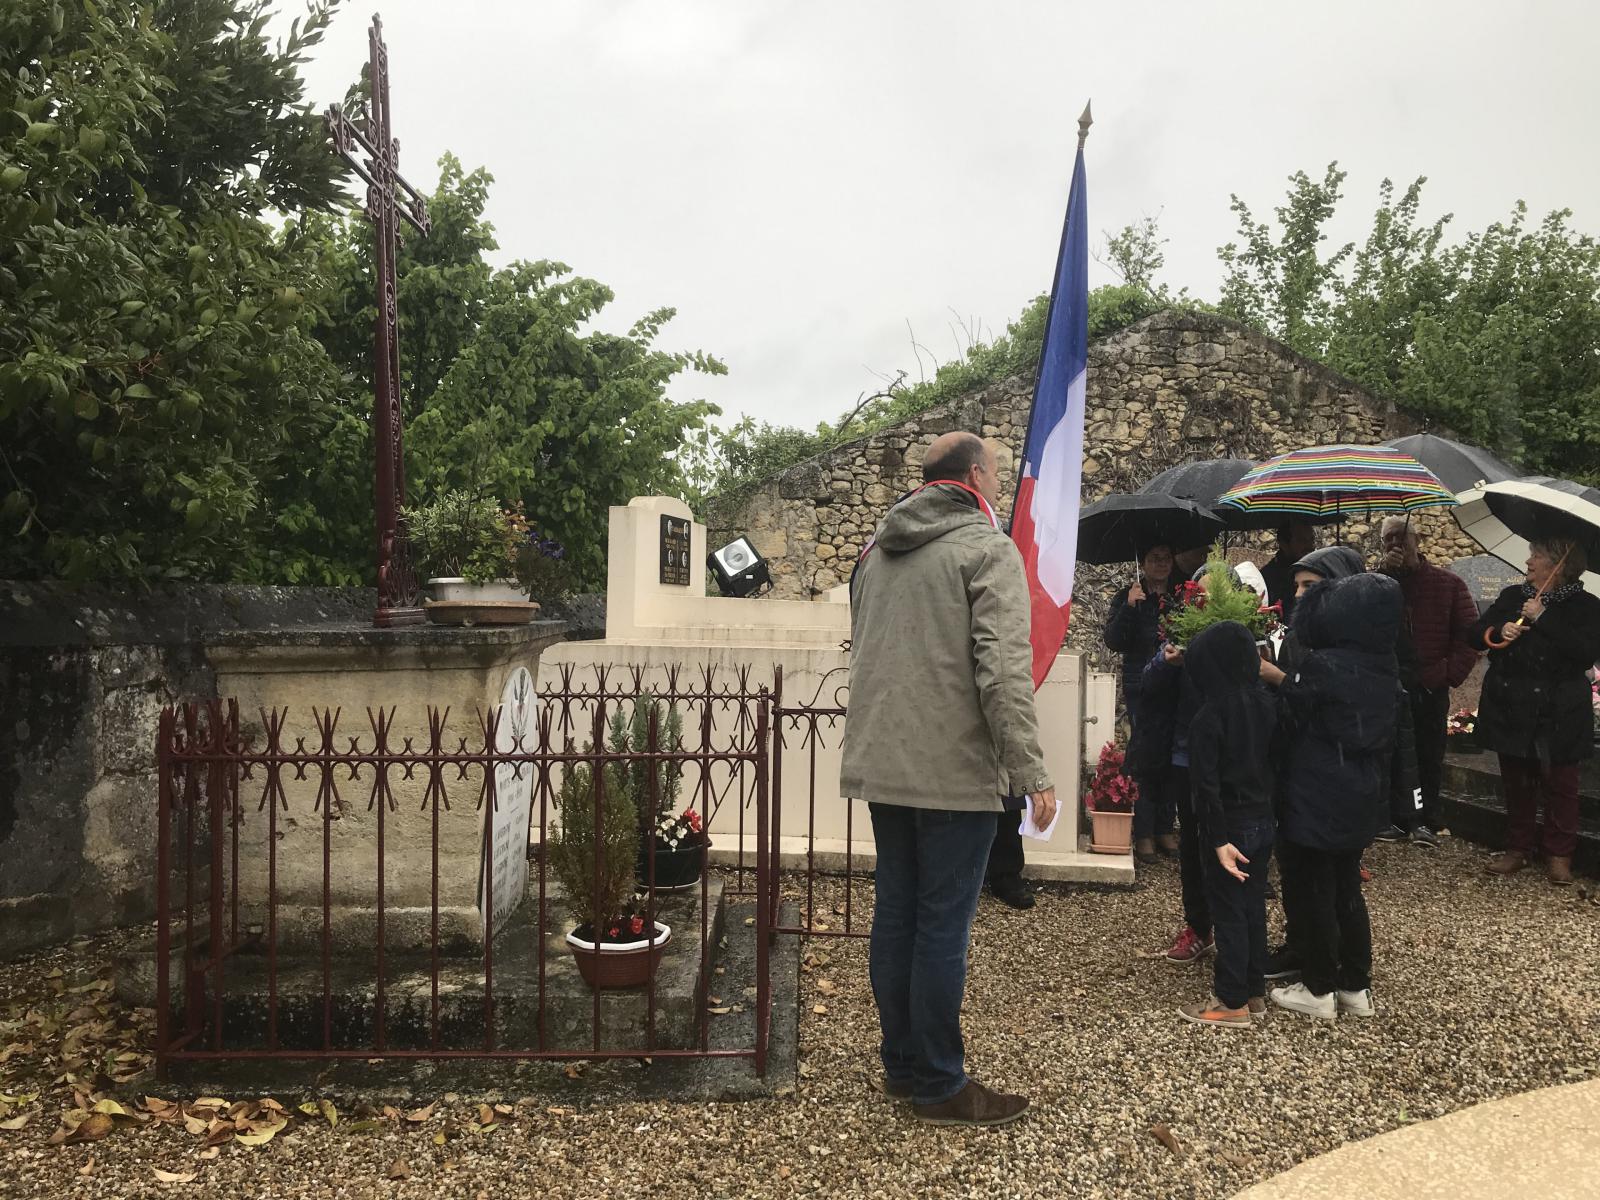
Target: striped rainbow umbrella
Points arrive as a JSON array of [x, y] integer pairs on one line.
[[1328, 482]]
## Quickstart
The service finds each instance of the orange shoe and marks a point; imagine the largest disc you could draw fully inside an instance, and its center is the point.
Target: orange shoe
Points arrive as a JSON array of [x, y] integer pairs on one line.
[[1214, 1014]]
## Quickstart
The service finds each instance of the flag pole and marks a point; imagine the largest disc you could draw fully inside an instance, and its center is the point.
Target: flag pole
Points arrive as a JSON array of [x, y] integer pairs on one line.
[[1084, 121]]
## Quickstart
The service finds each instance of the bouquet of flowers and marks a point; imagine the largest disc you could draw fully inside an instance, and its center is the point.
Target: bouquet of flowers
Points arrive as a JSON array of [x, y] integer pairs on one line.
[[1220, 598], [1108, 789], [682, 829], [1463, 723]]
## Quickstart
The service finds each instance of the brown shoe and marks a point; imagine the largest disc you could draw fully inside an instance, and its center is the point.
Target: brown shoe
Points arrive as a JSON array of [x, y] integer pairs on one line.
[[1258, 1008], [1559, 868], [1508, 863], [1144, 849], [1167, 843], [973, 1105], [896, 1091]]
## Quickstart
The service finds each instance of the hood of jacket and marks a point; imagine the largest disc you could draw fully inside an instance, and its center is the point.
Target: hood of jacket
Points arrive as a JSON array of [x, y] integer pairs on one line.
[[1222, 658], [926, 516], [1362, 612], [1331, 562]]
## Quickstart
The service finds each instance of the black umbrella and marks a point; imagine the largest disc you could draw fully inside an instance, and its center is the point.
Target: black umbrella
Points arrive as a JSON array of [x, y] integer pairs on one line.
[[1458, 465], [1120, 527], [1201, 482], [1504, 517]]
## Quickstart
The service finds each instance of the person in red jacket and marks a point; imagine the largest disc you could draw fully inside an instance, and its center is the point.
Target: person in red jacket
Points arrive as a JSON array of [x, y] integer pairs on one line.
[[1440, 616]]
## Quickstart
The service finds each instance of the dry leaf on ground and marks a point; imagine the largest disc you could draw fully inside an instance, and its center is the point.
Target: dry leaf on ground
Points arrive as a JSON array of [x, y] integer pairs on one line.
[[1167, 1138], [422, 1114], [399, 1169], [174, 1176]]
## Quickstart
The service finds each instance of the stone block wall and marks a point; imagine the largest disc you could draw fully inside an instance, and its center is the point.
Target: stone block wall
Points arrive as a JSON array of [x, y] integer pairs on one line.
[[83, 678], [1172, 388]]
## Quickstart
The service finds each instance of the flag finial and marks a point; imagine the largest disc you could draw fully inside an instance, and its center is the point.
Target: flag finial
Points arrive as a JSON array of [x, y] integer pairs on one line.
[[1083, 125]]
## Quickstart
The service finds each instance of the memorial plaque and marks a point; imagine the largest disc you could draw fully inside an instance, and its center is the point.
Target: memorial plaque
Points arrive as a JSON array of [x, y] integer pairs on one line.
[[1486, 577], [505, 835], [675, 532]]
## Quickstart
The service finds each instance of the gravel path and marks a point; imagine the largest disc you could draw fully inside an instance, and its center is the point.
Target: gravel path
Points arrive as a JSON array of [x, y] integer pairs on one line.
[[1486, 987]]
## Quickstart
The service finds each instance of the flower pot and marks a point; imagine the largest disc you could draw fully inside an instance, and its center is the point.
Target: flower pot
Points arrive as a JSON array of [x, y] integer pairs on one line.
[[480, 612], [678, 868], [453, 587], [1110, 832], [619, 964]]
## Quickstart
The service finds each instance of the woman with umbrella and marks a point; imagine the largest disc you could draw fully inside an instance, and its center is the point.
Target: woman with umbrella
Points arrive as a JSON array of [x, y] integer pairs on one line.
[[1535, 713], [1143, 528]]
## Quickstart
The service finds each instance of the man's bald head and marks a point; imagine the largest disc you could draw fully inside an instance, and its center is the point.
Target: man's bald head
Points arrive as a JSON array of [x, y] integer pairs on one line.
[[962, 457]]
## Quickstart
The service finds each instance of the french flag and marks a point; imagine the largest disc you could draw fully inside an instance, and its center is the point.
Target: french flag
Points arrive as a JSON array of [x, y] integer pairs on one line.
[[1044, 517]]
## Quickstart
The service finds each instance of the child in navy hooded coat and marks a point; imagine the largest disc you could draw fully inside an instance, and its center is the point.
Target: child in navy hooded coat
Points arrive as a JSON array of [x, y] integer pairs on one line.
[[1232, 744]]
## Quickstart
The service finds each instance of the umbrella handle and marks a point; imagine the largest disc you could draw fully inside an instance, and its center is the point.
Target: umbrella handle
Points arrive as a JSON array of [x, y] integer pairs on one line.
[[1488, 634]]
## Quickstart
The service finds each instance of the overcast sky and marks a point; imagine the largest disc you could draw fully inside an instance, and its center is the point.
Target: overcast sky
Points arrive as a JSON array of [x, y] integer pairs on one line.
[[802, 179]]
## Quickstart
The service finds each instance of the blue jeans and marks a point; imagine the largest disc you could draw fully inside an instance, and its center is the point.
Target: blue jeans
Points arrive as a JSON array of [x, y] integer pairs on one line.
[[930, 871], [1239, 912]]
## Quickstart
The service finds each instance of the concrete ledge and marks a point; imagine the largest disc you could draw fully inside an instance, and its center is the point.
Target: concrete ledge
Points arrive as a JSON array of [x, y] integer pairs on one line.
[[835, 856], [1538, 1144]]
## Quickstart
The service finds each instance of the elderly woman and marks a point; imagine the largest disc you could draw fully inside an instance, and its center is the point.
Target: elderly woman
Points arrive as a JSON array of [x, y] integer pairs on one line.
[[1133, 630], [1535, 713]]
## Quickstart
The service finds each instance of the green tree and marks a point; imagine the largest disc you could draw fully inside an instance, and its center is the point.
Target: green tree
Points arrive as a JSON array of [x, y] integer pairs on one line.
[[1496, 336], [509, 392], [155, 348]]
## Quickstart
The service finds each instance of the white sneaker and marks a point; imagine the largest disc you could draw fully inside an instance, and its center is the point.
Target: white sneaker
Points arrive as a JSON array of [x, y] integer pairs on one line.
[[1357, 1004], [1299, 998]]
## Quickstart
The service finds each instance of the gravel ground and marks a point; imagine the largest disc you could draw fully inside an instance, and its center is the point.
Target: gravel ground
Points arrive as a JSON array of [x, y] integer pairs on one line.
[[1486, 987]]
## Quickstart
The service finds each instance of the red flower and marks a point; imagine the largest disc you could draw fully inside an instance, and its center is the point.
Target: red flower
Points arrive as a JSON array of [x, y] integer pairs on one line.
[[613, 932], [636, 926], [693, 818]]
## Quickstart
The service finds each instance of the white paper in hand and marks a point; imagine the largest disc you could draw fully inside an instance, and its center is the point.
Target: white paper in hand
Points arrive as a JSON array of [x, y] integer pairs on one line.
[[1032, 830]]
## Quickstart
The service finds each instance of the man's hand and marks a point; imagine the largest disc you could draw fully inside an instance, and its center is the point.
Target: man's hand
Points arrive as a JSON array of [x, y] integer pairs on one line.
[[1511, 631], [1044, 807], [1136, 593], [1230, 858], [1271, 673], [1394, 559], [1171, 655]]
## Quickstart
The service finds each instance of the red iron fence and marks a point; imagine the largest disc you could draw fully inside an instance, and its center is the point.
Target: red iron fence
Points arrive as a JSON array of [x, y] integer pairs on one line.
[[343, 895]]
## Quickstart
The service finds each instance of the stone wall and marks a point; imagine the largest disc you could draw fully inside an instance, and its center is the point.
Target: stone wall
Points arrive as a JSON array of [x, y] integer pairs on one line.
[[1172, 388], [83, 678]]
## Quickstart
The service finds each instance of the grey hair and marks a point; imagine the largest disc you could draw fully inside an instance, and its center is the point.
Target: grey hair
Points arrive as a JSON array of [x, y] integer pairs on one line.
[[1569, 552]]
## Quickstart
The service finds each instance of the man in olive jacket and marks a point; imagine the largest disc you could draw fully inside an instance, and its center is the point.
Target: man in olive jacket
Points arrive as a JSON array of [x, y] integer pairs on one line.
[[941, 725]]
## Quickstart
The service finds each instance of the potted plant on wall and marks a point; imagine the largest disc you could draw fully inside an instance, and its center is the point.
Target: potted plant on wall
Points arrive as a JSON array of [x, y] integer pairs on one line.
[[1109, 797], [610, 941], [469, 546]]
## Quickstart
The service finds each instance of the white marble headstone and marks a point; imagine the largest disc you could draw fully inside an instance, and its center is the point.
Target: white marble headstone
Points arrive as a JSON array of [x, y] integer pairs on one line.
[[506, 828]]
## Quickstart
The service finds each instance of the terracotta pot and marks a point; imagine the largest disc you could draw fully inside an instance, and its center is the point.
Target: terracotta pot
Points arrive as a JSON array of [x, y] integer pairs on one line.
[[1111, 832], [480, 612], [619, 965], [674, 868]]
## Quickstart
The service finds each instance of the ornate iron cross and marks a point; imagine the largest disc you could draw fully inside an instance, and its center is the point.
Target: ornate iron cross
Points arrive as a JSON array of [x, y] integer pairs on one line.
[[389, 198]]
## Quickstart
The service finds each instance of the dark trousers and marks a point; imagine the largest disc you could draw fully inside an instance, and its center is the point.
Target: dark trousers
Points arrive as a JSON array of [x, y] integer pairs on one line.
[[1405, 791], [1430, 720], [1191, 865], [1331, 932], [1527, 781], [1005, 855], [929, 874], [1155, 810], [1239, 913]]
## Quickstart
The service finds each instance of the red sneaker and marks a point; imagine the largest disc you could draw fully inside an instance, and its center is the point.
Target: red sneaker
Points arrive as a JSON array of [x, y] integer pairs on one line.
[[1190, 946]]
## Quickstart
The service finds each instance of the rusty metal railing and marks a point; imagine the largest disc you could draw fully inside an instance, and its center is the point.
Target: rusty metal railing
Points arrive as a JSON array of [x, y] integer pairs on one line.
[[251, 962]]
